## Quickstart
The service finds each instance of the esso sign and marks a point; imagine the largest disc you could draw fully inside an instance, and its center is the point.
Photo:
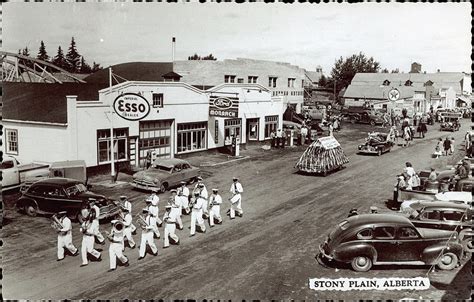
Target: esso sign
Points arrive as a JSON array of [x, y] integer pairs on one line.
[[131, 106]]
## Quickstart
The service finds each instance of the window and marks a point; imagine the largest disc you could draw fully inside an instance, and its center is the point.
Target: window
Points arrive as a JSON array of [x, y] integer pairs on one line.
[[12, 141], [271, 125], [192, 137], [291, 82], [8, 164], [408, 83], [365, 234], [120, 145], [229, 79], [240, 80], [453, 216], [272, 82], [407, 233], [158, 100], [252, 79], [466, 187], [384, 232], [431, 215]]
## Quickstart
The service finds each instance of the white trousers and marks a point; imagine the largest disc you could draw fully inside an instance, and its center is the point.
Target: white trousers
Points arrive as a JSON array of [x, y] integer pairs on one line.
[[65, 241], [170, 229], [236, 205], [88, 247], [215, 212], [196, 217], [155, 230], [115, 251], [177, 212], [147, 238], [184, 202], [127, 234], [98, 235]]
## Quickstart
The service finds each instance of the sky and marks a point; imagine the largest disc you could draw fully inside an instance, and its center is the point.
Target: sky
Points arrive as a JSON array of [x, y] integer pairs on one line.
[[396, 34]]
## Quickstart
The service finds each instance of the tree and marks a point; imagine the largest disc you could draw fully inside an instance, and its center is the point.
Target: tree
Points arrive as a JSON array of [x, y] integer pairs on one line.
[[42, 54], [323, 81], [345, 69], [59, 59], [396, 71], [385, 70], [209, 57], [194, 57], [85, 68], [73, 58], [25, 51], [96, 67]]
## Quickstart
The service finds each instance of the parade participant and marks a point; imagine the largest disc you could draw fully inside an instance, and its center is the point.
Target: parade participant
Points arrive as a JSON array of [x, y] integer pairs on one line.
[[413, 179], [62, 224], [467, 141], [89, 230], [447, 146], [433, 176], [215, 202], [451, 150], [304, 134], [236, 200], [127, 204], [406, 136], [196, 214], [127, 231], [147, 224], [96, 213], [116, 245], [170, 220], [152, 206], [183, 194], [438, 147], [175, 203], [202, 190], [400, 184]]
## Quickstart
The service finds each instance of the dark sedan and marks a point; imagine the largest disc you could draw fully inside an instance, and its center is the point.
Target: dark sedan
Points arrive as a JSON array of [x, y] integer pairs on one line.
[[62, 194], [371, 239]]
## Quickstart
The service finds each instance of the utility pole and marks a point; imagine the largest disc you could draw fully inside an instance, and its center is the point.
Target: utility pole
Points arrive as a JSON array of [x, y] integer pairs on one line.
[[112, 161]]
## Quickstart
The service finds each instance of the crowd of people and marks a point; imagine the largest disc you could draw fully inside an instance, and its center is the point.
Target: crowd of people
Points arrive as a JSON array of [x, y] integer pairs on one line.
[[198, 203]]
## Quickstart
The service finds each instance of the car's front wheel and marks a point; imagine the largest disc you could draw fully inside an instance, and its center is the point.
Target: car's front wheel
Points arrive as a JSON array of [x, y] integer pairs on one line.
[[467, 245], [31, 210], [361, 264], [448, 261]]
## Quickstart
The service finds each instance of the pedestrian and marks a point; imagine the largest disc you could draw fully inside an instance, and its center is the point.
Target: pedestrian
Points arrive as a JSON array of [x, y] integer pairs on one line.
[[433, 176], [89, 230], [170, 219], [183, 194], [397, 120], [279, 138], [148, 225], [273, 138], [413, 178], [64, 230], [451, 150], [331, 129], [399, 185], [148, 159], [386, 120], [422, 126], [438, 148], [128, 230], [467, 141], [467, 165], [116, 245], [236, 200], [215, 202], [447, 146], [392, 135], [196, 214], [175, 203], [304, 134], [406, 136]]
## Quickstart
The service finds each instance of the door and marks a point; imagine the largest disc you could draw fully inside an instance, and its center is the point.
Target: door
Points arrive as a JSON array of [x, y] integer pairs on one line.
[[409, 244], [384, 243], [10, 173], [252, 129]]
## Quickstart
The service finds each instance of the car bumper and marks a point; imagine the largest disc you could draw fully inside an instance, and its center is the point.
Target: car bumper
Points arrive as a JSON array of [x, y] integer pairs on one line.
[[109, 213], [366, 150], [145, 186], [323, 253]]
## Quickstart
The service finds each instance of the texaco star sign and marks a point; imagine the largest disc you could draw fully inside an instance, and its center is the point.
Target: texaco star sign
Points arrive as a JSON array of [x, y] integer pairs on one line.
[[393, 94]]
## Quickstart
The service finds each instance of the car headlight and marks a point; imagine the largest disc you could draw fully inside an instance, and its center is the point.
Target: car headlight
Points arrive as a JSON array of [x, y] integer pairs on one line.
[[156, 181]]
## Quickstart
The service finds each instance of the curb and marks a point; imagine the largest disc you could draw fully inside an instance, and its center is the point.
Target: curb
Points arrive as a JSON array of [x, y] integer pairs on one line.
[[225, 162]]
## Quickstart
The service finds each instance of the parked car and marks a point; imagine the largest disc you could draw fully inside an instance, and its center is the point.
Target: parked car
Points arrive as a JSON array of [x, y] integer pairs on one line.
[[14, 174], [376, 143], [165, 173], [363, 115], [371, 239], [450, 121], [444, 215], [462, 186], [62, 194]]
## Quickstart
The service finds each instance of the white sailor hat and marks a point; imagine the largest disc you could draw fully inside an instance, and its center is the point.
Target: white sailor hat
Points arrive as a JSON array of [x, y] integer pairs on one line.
[[62, 213], [183, 182], [235, 178], [215, 190], [168, 206], [173, 191], [199, 178], [148, 199], [123, 197]]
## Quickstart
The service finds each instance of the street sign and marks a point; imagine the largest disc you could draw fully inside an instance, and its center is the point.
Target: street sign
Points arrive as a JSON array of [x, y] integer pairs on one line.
[[393, 95]]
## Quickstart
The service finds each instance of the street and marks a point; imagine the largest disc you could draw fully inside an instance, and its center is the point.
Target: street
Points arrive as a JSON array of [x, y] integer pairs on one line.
[[269, 253]]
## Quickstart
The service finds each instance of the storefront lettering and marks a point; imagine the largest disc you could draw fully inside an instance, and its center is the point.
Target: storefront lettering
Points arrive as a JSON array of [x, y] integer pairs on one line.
[[214, 112], [131, 106]]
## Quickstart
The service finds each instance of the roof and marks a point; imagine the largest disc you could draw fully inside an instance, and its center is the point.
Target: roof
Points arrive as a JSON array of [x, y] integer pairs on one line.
[[439, 205], [361, 219], [172, 74], [168, 162], [133, 71], [314, 76], [377, 91], [43, 102]]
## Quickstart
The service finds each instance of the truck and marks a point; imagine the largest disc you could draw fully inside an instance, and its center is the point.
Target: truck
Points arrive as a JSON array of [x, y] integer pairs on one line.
[[14, 174]]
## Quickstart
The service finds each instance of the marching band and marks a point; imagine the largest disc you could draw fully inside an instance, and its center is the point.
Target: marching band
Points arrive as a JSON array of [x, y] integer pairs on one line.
[[199, 205]]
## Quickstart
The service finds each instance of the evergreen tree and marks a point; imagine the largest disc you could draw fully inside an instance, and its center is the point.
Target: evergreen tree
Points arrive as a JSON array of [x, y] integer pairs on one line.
[[194, 57], [59, 59], [73, 58], [85, 68], [209, 57], [323, 81], [42, 54]]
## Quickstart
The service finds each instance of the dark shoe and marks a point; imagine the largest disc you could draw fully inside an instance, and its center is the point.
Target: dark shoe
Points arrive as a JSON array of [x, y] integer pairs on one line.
[[102, 243], [134, 232], [99, 259], [191, 235], [177, 243], [76, 253], [155, 254], [82, 265], [127, 264], [140, 258], [211, 226], [165, 247], [111, 270], [160, 224], [60, 259], [134, 246]]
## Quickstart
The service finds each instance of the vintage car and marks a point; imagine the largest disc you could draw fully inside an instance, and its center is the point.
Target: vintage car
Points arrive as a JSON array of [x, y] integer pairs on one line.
[[165, 173], [450, 121], [62, 194], [362, 115], [438, 189], [444, 215], [371, 239], [376, 143]]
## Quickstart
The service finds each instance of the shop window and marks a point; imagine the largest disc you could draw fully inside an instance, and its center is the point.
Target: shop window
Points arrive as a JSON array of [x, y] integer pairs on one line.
[[272, 82], [158, 100], [120, 147], [12, 141], [252, 79], [192, 137], [271, 125], [240, 80], [291, 82], [229, 79]]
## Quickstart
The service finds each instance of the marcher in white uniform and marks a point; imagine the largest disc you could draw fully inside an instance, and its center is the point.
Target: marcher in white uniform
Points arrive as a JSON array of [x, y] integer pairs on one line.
[[127, 231], [175, 203], [155, 200], [95, 209], [65, 236], [215, 202], [89, 230], [127, 204], [152, 207], [196, 214], [236, 200], [183, 194], [116, 245], [170, 220], [147, 235]]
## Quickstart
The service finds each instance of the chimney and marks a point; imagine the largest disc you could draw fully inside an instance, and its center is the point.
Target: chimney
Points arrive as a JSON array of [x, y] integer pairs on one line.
[[173, 47]]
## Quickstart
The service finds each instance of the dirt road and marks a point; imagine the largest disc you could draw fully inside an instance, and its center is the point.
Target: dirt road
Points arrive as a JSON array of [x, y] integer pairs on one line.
[[267, 254]]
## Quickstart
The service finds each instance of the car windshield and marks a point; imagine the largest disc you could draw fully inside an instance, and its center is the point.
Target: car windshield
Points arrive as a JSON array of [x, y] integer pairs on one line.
[[6, 165], [163, 168], [76, 189]]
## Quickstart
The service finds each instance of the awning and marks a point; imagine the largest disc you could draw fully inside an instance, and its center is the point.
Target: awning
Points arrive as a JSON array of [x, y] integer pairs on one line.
[[464, 99]]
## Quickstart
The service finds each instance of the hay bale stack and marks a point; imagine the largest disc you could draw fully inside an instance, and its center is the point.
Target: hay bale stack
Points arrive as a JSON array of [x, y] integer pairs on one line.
[[322, 156]]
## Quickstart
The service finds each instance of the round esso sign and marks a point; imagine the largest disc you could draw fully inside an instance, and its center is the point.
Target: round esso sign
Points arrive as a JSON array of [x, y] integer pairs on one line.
[[131, 106]]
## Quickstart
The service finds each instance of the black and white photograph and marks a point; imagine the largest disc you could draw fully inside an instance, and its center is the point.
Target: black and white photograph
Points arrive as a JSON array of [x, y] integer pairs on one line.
[[236, 151]]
